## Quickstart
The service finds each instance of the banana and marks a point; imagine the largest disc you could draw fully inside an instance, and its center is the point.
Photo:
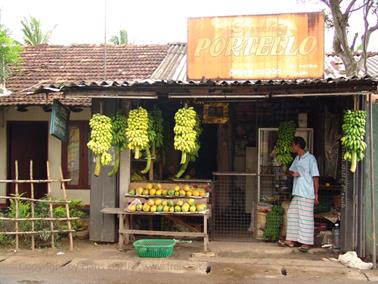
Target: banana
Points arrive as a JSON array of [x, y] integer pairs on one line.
[[353, 138], [101, 139]]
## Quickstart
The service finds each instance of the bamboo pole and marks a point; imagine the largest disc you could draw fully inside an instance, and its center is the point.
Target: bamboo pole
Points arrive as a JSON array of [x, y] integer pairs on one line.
[[32, 204], [32, 180], [35, 200], [63, 186], [35, 232], [50, 206], [16, 203], [38, 219]]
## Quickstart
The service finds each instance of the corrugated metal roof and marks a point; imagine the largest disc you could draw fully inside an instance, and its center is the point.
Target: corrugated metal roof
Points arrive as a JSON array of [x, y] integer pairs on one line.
[[173, 66]]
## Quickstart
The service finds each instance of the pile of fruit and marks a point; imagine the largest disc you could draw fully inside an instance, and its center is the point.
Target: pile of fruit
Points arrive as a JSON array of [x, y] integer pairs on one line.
[[167, 206], [354, 137], [177, 191]]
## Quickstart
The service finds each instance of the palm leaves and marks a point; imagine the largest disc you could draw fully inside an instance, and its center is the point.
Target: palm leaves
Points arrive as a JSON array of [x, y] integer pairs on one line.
[[33, 34], [122, 38]]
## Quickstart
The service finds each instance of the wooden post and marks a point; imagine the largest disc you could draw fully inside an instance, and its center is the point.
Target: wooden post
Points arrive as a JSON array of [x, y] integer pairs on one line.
[[32, 205], [63, 187], [16, 204], [206, 238], [50, 206]]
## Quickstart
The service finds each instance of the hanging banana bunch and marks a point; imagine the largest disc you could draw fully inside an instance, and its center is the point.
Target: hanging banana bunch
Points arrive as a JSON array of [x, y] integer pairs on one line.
[[151, 134], [286, 134], [155, 136], [157, 120], [137, 131], [119, 142], [353, 139], [100, 141], [187, 131]]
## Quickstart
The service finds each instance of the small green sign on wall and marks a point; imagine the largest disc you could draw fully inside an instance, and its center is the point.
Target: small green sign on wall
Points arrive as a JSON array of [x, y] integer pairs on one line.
[[60, 115]]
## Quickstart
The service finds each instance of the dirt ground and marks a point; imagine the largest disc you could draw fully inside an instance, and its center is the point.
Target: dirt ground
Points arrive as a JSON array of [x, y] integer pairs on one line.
[[228, 262]]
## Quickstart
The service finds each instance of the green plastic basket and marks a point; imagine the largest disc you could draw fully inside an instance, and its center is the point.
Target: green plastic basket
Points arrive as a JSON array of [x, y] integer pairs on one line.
[[154, 247]]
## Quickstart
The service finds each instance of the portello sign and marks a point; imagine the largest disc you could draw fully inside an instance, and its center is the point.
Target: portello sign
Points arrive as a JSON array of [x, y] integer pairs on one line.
[[258, 46], [280, 46]]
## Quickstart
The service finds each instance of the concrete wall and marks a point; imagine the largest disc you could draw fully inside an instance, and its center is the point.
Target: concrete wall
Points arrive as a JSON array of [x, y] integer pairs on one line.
[[54, 146]]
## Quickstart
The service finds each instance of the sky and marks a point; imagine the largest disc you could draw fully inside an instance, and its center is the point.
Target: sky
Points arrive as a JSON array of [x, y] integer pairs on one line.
[[147, 21]]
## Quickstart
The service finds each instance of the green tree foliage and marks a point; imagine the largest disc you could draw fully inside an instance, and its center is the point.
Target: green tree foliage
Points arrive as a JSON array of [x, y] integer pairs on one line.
[[10, 53], [33, 34], [122, 38]]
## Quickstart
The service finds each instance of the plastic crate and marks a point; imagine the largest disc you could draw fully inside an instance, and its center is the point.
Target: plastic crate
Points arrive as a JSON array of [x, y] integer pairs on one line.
[[154, 247]]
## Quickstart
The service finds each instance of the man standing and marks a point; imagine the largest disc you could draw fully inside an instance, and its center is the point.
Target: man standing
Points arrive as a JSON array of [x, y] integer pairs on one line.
[[304, 169]]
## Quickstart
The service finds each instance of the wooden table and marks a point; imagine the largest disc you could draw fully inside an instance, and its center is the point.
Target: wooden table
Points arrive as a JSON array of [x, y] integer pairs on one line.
[[125, 226]]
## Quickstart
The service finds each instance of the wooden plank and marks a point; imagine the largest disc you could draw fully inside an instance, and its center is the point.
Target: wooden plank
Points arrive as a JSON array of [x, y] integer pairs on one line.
[[104, 192], [164, 233], [112, 211]]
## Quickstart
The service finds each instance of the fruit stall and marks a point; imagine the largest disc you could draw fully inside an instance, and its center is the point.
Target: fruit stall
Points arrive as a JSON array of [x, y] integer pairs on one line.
[[170, 200]]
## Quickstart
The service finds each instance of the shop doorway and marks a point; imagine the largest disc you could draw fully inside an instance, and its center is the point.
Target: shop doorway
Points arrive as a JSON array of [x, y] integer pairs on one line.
[[27, 141], [206, 163]]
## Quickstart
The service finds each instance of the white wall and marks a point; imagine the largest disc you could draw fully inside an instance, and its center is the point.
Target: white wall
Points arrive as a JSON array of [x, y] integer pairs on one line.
[[54, 147]]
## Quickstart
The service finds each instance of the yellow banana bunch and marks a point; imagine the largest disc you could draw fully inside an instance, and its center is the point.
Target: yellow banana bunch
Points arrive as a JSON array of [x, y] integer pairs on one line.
[[137, 131], [186, 136], [101, 139], [354, 137]]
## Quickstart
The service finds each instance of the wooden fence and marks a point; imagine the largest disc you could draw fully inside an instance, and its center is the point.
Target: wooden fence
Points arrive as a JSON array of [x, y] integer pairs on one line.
[[17, 198]]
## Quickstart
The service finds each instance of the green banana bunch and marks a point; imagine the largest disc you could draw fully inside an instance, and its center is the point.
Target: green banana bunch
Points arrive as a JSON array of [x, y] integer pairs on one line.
[[100, 141], [137, 131], [119, 141], [187, 131], [157, 122], [353, 139], [155, 136], [286, 134]]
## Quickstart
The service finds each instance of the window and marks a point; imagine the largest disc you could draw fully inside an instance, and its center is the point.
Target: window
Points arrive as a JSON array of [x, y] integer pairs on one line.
[[75, 155]]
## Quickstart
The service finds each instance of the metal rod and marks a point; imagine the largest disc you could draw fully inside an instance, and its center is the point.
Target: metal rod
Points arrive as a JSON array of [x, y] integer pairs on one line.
[[372, 179]]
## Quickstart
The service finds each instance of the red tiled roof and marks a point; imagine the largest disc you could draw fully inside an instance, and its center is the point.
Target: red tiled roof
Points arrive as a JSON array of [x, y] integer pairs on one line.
[[51, 64]]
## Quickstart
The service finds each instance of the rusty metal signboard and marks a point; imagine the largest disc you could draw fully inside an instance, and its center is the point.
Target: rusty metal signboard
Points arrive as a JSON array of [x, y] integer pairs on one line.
[[282, 46]]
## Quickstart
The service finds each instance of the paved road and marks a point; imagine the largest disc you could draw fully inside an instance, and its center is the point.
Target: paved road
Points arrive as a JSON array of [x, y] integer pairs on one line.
[[118, 272]]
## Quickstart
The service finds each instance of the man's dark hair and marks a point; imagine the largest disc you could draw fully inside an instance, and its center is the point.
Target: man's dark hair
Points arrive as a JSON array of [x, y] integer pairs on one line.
[[300, 142]]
